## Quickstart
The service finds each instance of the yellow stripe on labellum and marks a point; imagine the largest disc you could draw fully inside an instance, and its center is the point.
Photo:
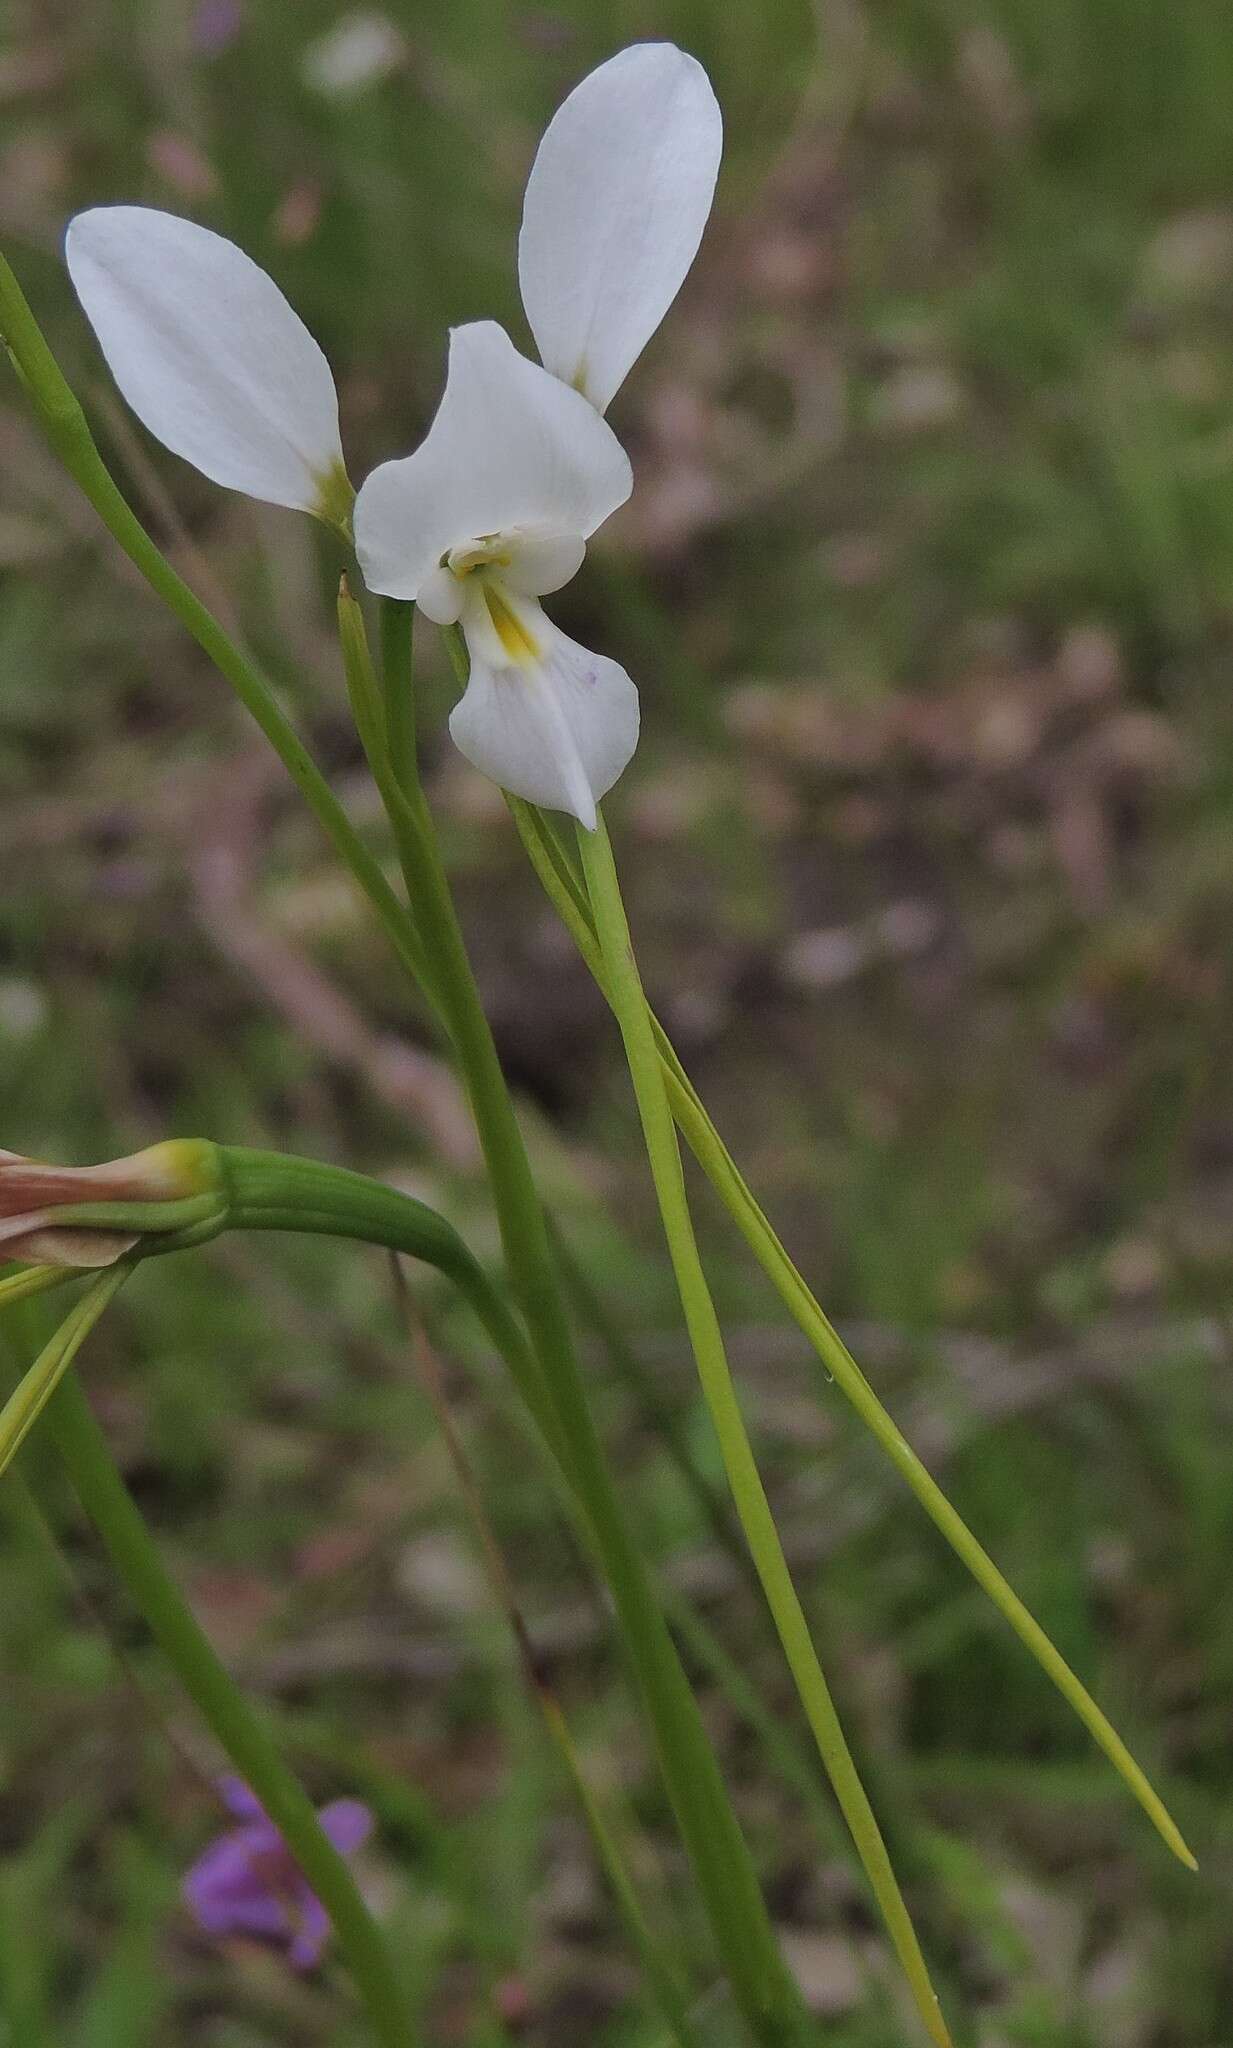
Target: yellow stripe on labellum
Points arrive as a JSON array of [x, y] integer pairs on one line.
[[511, 632]]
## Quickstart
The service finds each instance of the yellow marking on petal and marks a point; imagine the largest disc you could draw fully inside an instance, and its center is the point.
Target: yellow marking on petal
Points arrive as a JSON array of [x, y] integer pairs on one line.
[[511, 632]]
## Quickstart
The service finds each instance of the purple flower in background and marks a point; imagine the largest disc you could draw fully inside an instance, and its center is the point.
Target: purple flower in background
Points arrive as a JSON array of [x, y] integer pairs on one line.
[[248, 1883]]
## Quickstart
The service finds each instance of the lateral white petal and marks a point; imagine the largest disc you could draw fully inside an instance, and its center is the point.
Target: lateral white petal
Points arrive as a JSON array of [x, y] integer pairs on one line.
[[440, 597], [558, 731], [510, 448], [617, 199], [538, 565], [208, 352]]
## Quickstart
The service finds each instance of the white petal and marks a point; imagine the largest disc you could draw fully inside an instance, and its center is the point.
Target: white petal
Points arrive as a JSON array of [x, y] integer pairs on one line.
[[208, 352], [538, 564], [617, 199], [440, 597], [509, 447], [558, 730]]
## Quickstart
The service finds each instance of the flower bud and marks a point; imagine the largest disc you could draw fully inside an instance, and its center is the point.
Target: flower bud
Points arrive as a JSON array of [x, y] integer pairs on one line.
[[92, 1215]]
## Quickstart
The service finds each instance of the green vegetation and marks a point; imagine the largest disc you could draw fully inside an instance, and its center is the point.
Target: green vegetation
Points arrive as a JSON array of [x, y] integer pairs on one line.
[[928, 581]]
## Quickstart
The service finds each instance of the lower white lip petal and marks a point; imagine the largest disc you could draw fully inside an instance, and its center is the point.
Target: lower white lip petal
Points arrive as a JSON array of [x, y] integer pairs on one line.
[[558, 730]]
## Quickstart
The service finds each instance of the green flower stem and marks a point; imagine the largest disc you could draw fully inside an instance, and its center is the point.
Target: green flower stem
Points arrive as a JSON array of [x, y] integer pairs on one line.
[[35, 1388], [558, 876], [106, 1500], [753, 1508], [767, 1995], [68, 432]]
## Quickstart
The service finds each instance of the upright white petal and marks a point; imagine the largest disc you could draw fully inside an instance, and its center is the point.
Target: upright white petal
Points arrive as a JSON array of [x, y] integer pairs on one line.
[[551, 722], [617, 199], [208, 353], [510, 449]]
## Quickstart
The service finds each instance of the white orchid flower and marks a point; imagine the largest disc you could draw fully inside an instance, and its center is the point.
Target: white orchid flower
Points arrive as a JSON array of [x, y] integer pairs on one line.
[[211, 357], [494, 509]]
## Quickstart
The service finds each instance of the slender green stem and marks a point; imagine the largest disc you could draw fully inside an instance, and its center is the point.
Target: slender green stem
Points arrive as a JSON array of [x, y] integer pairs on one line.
[[556, 871], [106, 1500], [748, 1493], [724, 1869]]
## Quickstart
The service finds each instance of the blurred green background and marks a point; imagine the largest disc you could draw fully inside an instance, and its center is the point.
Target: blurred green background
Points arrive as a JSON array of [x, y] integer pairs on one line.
[[928, 585]]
